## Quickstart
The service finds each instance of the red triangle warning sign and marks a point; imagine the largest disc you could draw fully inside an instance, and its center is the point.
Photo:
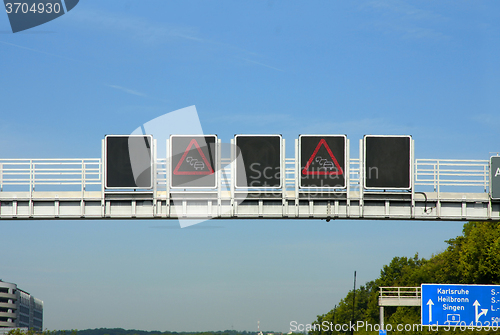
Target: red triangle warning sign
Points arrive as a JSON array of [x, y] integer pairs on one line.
[[193, 162], [325, 166]]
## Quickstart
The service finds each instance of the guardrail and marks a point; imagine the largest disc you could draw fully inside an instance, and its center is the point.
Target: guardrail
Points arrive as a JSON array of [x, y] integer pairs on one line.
[[81, 173], [77, 173], [400, 292], [440, 173]]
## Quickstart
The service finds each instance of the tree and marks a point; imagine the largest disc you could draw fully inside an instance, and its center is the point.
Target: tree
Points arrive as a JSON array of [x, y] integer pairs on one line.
[[472, 258]]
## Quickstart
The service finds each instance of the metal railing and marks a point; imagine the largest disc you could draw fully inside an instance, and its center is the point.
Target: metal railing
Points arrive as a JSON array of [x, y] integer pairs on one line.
[[80, 173], [161, 173], [400, 292], [440, 173], [77, 173]]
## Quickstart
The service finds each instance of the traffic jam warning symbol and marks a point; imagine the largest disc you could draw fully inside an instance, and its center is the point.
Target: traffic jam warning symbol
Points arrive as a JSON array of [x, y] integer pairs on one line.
[[322, 161], [326, 166], [193, 161]]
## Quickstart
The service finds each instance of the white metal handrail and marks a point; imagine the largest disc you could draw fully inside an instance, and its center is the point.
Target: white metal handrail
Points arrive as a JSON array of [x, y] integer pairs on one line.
[[400, 292], [448, 172], [55, 172], [354, 170], [88, 171]]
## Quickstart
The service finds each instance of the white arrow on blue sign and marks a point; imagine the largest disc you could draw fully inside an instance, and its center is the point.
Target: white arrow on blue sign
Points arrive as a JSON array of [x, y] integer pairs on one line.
[[460, 305]]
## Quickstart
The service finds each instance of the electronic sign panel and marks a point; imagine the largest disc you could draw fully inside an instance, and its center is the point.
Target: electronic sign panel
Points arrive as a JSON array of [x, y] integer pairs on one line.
[[322, 161], [193, 161], [128, 161], [387, 162], [261, 157], [495, 177]]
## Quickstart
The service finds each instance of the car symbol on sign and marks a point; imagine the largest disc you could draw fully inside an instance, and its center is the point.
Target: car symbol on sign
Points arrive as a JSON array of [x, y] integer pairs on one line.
[[199, 165], [328, 165]]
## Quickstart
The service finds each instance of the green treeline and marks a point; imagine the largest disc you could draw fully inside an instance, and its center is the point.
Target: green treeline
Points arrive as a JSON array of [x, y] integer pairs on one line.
[[472, 258], [120, 331]]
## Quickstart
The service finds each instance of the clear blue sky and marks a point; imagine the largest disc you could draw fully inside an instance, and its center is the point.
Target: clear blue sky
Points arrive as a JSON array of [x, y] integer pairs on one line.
[[428, 68]]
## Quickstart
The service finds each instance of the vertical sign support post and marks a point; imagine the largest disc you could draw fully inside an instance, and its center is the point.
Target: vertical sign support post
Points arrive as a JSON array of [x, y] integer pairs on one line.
[[297, 176], [84, 182], [412, 177], [101, 172], [167, 177], [347, 173], [155, 176], [283, 178], [219, 177], [361, 175], [381, 317], [438, 203], [233, 174], [32, 188], [489, 200], [1, 177]]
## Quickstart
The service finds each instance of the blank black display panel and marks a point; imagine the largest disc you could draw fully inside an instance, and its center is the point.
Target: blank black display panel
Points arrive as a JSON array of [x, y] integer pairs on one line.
[[387, 162], [128, 162], [193, 161], [261, 157], [322, 161]]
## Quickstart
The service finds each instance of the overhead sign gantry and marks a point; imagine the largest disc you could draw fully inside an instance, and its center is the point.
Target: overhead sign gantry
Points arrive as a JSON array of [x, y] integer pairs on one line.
[[254, 181]]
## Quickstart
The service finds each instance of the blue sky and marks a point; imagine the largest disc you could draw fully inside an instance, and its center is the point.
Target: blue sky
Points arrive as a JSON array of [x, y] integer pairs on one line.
[[428, 69]]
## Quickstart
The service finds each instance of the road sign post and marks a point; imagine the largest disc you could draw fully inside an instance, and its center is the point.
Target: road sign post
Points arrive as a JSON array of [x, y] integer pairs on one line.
[[495, 177], [387, 162], [193, 161], [128, 162], [261, 157], [322, 161], [460, 305]]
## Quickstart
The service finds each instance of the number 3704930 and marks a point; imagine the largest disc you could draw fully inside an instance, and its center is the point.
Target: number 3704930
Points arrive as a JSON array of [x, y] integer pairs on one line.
[[35, 8]]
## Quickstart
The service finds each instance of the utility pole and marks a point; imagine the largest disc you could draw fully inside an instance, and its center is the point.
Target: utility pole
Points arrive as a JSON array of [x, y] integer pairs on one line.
[[334, 310], [353, 303]]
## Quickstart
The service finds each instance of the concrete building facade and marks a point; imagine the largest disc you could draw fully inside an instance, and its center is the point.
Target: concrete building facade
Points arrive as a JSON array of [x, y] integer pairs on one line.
[[18, 308]]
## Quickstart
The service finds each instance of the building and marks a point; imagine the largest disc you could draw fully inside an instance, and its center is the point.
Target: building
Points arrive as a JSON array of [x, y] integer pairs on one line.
[[18, 308], [5, 331]]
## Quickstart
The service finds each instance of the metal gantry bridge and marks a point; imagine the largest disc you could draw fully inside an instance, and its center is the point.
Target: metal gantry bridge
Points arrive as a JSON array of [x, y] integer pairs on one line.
[[441, 189]]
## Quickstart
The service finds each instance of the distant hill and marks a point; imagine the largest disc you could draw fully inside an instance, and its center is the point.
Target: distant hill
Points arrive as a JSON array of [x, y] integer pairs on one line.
[[120, 331]]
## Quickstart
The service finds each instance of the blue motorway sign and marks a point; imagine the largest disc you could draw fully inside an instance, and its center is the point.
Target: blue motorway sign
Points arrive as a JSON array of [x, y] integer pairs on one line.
[[457, 305]]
